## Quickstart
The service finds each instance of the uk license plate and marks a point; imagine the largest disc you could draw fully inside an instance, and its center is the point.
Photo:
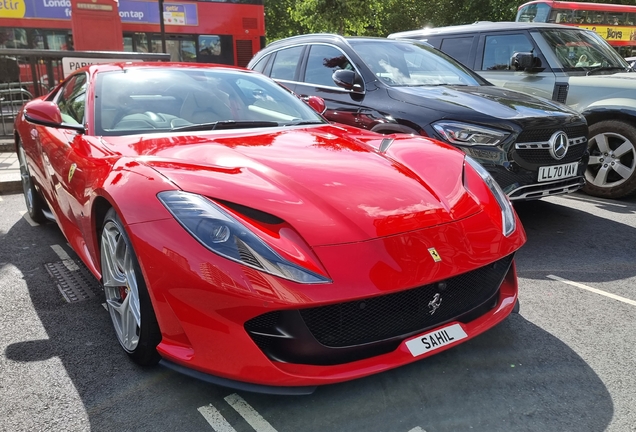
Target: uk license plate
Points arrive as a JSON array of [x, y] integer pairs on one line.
[[557, 172], [435, 339]]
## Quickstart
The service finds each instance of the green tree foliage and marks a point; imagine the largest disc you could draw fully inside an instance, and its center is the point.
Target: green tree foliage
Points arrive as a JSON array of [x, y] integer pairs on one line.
[[380, 17]]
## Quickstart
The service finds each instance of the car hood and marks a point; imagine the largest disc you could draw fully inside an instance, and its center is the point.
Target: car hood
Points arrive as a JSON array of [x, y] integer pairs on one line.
[[330, 183], [482, 103]]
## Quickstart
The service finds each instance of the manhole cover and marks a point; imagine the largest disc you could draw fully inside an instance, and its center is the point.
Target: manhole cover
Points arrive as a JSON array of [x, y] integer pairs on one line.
[[75, 285]]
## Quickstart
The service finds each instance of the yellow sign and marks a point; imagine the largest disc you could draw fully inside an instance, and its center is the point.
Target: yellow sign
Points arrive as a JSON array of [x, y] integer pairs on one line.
[[434, 254], [613, 33], [12, 8]]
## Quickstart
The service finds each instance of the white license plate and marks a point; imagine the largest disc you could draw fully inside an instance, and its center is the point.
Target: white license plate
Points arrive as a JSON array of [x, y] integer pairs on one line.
[[436, 339], [557, 172]]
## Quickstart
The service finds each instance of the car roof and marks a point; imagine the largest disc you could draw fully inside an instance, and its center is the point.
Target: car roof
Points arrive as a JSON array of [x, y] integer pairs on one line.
[[323, 37], [480, 26]]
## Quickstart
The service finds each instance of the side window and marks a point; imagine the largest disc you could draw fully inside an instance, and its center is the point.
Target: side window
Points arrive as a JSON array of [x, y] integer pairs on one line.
[[500, 48], [458, 48], [260, 66], [323, 61], [72, 99], [286, 62]]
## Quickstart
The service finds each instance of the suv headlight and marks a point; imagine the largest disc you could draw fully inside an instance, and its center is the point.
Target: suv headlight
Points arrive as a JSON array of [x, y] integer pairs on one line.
[[509, 222], [224, 235], [468, 134]]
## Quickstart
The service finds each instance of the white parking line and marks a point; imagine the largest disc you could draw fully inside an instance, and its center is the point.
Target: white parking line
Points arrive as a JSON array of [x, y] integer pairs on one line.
[[249, 414], [417, 429], [594, 290], [1, 198], [215, 419], [66, 260], [27, 218]]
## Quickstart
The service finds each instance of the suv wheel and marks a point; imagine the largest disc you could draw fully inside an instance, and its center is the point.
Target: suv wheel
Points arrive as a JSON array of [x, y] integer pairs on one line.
[[611, 172]]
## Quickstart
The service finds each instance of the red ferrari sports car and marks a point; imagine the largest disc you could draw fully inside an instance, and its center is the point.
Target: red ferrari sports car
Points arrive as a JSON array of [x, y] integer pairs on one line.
[[243, 239]]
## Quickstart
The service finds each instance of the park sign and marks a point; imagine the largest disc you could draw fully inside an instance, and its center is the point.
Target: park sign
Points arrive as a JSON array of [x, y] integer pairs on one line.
[[71, 64]]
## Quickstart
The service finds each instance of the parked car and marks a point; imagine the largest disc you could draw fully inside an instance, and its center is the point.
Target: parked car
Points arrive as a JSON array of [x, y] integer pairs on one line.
[[244, 240], [564, 63], [532, 147]]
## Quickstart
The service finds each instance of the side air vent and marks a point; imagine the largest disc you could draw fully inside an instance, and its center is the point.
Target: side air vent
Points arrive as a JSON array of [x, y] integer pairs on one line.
[[250, 23], [560, 93], [244, 52]]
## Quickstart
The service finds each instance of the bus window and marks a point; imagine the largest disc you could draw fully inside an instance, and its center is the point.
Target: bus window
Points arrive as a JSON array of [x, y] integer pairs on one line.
[[13, 38], [537, 12], [561, 16]]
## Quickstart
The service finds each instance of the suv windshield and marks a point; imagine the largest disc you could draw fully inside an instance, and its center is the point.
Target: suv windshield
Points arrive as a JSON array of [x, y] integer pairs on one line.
[[402, 63], [583, 50]]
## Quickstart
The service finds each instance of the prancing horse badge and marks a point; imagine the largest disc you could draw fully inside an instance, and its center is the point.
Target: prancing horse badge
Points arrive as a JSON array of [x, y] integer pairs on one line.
[[434, 254], [71, 171]]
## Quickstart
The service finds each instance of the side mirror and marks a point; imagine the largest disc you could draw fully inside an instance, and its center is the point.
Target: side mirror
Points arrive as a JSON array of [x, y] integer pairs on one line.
[[521, 61], [317, 103], [47, 113], [347, 79]]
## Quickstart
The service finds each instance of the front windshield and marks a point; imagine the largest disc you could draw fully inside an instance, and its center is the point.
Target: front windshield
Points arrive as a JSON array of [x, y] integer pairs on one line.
[[583, 50], [403, 63], [152, 100]]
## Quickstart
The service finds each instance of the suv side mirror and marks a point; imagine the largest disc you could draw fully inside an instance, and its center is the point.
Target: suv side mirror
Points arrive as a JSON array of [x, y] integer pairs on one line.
[[348, 80], [525, 61]]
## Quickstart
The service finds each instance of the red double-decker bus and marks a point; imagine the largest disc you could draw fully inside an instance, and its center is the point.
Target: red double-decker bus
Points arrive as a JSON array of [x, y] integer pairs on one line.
[[615, 23], [214, 31]]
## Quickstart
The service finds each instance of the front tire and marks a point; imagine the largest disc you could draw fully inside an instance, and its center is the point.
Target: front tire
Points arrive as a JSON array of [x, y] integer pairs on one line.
[[126, 294], [611, 171], [32, 198]]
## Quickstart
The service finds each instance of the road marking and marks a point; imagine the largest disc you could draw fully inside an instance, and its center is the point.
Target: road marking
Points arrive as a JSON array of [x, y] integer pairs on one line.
[[105, 306], [66, 260], [594, 290], [1, 199], [417, 429], [215, 419], [249, 414], [27, 218]]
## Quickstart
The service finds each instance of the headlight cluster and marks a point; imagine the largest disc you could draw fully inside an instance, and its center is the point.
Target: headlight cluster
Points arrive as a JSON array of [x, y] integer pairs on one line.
[[507, 213], [221, 233], [468, 134]]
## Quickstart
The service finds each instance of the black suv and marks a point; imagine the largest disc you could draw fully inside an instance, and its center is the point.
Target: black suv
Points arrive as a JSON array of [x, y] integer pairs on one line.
[[533, 147], [567, 64]]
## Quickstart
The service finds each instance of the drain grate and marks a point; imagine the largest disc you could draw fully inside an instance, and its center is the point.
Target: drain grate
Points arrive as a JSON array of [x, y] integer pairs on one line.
[[75, 285]]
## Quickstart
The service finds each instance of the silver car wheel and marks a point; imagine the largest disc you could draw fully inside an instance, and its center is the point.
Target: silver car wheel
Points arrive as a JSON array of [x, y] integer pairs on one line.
[[120, 286], [612, 160]]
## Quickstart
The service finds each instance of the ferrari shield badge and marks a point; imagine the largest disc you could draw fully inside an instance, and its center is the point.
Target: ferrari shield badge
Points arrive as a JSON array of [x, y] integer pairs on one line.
[[71, 171], [434, 254]]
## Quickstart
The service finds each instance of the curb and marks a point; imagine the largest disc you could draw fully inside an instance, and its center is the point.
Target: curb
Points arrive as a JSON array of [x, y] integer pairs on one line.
[[10, 186], [7, 146]]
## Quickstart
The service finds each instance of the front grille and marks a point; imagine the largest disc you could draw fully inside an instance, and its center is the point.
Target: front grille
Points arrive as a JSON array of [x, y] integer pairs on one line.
[[543, 156], [384, 317], [509, 180], [544, 134]]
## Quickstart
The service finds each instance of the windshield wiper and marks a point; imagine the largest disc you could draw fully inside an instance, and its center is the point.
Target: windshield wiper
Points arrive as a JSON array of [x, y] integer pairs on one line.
[[225, 124], [604, 68], [302, 122]]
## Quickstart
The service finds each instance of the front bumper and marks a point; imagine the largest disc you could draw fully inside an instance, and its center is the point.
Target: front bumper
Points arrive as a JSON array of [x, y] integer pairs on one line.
[[203, 301]]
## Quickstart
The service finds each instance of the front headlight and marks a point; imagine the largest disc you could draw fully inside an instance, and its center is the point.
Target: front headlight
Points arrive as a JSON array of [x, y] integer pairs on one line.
[[221, 233], [468, 134], [508, 219]]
